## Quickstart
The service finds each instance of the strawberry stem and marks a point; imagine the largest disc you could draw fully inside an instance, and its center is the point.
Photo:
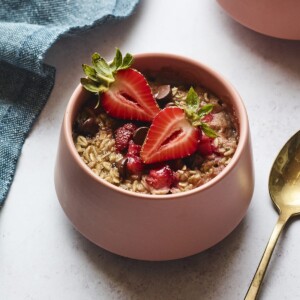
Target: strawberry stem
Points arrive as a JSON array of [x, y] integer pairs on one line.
[[102, 74]]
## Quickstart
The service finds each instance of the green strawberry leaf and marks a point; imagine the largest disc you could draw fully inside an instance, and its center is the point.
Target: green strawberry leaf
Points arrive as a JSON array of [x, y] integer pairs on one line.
[[90, 72], [95, 59], [101, 75], [127, 62], [92, 86], [118, 58], [101, 66], [117, 62]]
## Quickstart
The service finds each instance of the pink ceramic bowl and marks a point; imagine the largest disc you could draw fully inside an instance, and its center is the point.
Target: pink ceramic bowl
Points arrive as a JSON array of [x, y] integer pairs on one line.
[[277, 18], [150, 227]]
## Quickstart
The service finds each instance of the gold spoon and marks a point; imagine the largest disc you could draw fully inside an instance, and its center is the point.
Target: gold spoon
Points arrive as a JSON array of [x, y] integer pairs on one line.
[[284, 188]]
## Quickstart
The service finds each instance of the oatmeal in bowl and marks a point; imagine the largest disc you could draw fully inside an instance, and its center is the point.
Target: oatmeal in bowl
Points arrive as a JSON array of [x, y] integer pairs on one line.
[[176, 140], [154, 159]]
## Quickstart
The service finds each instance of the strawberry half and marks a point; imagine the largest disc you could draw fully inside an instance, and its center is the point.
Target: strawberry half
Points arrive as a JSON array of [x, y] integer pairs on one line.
[[130, 97], [171, 136], [123, 92]]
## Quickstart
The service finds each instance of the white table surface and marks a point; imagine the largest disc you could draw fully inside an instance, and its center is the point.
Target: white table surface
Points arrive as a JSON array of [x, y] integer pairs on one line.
[[43, 257]]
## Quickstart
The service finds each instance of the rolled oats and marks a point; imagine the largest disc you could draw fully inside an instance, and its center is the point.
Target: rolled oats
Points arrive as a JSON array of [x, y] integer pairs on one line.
[[100, 155]]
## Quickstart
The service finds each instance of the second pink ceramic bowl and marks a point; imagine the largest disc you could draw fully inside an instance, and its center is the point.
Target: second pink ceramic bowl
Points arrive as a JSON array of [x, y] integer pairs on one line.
[[150, 227], [277, 18]]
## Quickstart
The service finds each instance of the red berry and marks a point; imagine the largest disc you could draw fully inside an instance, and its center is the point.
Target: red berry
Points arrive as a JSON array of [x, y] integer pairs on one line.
[[123, 135], [134, 164], [162, 178], [205, 146], [129, 126], [134, 149]]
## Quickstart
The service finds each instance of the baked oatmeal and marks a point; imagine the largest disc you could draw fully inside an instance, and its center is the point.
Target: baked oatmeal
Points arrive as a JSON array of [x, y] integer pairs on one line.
[[150, 137]]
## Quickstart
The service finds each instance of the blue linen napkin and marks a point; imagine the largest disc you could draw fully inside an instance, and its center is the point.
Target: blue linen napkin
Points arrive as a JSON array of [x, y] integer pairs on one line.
[[27, 29]]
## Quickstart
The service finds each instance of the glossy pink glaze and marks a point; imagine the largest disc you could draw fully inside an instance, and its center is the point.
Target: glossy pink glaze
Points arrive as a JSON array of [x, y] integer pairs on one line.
[[276, 18], [152, 227]]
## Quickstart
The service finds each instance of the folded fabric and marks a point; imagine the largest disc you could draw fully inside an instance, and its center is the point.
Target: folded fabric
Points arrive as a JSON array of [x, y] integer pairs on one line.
[[27, 29]]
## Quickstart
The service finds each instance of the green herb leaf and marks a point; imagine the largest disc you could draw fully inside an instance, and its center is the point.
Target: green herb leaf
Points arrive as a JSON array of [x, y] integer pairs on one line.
[[192, 100], [204, 110], [208, 131], [189, 113], [195, 113]]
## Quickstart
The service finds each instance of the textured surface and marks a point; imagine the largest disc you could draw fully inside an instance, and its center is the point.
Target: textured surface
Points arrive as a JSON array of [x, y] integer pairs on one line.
[[27, 30], [42, 257]]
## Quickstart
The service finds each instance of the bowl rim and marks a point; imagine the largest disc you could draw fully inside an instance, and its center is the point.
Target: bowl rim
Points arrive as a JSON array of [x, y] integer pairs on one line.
[[241, 116]]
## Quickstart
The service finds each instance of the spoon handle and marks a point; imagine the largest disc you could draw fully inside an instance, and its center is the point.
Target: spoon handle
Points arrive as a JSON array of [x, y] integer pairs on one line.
[[262, 267]]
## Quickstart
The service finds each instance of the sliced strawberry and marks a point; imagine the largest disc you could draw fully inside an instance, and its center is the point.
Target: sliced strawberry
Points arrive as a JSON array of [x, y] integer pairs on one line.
[[123, 92], [170, 136], [130, 97]]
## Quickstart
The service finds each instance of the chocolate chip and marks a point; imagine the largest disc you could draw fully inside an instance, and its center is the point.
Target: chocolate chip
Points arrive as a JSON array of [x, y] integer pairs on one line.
[[163, 93], [193, 161], [92, 104], [89, 112], [176, 164], [89, 126], [122, 167], [139, 135]]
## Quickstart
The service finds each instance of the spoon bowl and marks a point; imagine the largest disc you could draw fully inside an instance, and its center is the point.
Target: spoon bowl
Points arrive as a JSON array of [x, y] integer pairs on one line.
[[284, 181], [284, 188]]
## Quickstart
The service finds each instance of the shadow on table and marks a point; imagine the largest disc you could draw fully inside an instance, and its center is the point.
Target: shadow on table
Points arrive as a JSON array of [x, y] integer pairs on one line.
[[203, 276]]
